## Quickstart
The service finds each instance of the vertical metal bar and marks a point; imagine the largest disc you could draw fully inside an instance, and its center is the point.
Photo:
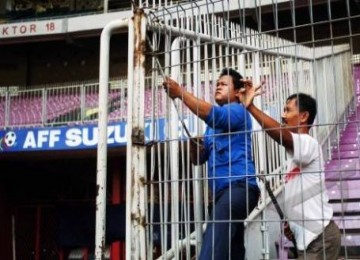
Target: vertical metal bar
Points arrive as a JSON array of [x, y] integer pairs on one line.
[[174, 148], [82, 102], [154, 114], [197, 183], [116, 200], [261, 148], [102, 133], [106, 6], [136, 162]]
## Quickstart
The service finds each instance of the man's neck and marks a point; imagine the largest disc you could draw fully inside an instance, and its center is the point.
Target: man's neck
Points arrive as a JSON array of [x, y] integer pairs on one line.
[[303, 130]]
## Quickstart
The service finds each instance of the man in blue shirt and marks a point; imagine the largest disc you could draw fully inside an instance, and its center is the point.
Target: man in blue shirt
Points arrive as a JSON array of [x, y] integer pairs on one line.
[[231, 170]]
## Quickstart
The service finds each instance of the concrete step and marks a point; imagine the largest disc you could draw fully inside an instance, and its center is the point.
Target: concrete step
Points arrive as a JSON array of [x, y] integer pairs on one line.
[[345, 147], [342, 164], [345, 207], [349, 140], [350, 132], [347, 154], [350, 246], [342, 169], [350, 239], [351, 127], [337, 195], [348, 224]]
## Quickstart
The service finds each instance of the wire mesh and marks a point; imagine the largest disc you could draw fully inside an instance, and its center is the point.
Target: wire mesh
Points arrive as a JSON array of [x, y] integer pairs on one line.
[[287, 44]]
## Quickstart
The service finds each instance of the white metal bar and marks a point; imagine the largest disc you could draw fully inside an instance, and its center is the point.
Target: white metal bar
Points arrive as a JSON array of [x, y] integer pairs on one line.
[[102, 133], [197, 183], [106, 6], [129, 229], [174, 145], [218, 40]]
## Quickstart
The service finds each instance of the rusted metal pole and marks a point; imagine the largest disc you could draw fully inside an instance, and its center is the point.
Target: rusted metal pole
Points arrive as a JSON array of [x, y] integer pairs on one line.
[[136, 159]]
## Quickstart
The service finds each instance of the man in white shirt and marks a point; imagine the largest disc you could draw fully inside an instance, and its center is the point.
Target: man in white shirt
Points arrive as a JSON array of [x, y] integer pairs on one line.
[[306, 203]]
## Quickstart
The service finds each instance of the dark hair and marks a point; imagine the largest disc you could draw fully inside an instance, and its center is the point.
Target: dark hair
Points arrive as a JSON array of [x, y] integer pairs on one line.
[[305, 103], [236, 76]]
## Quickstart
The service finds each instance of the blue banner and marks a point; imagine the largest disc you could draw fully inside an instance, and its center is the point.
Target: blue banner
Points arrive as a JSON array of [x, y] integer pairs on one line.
[[72, 137]]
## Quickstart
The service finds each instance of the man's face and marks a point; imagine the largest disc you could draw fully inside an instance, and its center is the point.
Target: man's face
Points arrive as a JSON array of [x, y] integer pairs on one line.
[[291, 115], [225, 92]]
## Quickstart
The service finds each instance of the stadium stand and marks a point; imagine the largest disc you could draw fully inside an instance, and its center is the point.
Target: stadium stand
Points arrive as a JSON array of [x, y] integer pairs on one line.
[[54, 105]]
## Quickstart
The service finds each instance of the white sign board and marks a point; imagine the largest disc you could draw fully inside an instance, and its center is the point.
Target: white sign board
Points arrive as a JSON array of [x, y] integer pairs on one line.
[[34, 28]]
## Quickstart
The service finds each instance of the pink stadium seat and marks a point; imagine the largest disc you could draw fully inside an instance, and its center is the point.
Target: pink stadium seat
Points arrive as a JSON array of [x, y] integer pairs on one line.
[[28, 111]]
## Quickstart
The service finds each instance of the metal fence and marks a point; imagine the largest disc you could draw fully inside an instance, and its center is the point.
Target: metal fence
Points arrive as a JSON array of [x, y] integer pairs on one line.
[[168, 195]]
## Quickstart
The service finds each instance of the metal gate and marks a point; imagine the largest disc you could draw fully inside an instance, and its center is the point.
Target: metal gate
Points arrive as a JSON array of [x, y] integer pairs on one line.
[[167, 196]]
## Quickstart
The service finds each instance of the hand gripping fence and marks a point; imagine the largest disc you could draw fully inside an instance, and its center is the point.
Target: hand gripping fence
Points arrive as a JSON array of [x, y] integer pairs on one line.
[[175, 105]]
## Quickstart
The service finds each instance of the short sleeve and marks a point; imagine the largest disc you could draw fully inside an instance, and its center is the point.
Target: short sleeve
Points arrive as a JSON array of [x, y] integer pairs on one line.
[[306, 149]]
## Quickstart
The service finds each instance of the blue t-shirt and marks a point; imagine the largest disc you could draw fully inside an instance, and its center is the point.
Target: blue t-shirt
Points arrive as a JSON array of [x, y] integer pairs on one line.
[[227, 141]]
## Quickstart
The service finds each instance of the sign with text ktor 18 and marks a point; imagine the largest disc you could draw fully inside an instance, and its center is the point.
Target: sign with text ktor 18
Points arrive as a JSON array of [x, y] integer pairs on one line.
[[34, 28]]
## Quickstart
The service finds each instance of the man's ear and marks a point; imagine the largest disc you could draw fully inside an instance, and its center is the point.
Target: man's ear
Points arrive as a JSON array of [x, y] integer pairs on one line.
[[304, 116]]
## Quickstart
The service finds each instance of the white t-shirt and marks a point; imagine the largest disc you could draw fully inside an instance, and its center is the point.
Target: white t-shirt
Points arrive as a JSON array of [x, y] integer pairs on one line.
[[306, 201]]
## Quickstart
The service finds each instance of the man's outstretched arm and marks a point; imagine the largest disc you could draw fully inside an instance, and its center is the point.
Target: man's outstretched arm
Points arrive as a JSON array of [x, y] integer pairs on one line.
[[199, 107], [273, 128]]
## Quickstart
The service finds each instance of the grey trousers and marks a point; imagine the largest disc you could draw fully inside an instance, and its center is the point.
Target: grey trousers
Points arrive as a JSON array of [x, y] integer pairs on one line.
[[325, 247]]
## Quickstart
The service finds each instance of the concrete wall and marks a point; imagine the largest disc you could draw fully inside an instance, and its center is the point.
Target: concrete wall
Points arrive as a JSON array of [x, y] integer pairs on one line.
[[61, 61]]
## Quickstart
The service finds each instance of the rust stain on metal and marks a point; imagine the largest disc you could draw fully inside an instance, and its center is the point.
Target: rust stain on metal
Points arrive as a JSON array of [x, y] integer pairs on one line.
[[138, 136], [140, 45], [142, 221], [102, 248], [142, 181], [139, 53]]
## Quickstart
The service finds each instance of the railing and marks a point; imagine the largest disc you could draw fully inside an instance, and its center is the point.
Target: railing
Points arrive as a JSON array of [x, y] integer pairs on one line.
[[72, 104]]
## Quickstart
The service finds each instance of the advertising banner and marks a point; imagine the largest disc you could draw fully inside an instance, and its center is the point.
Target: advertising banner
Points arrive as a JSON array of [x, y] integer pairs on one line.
[[72, 137]]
